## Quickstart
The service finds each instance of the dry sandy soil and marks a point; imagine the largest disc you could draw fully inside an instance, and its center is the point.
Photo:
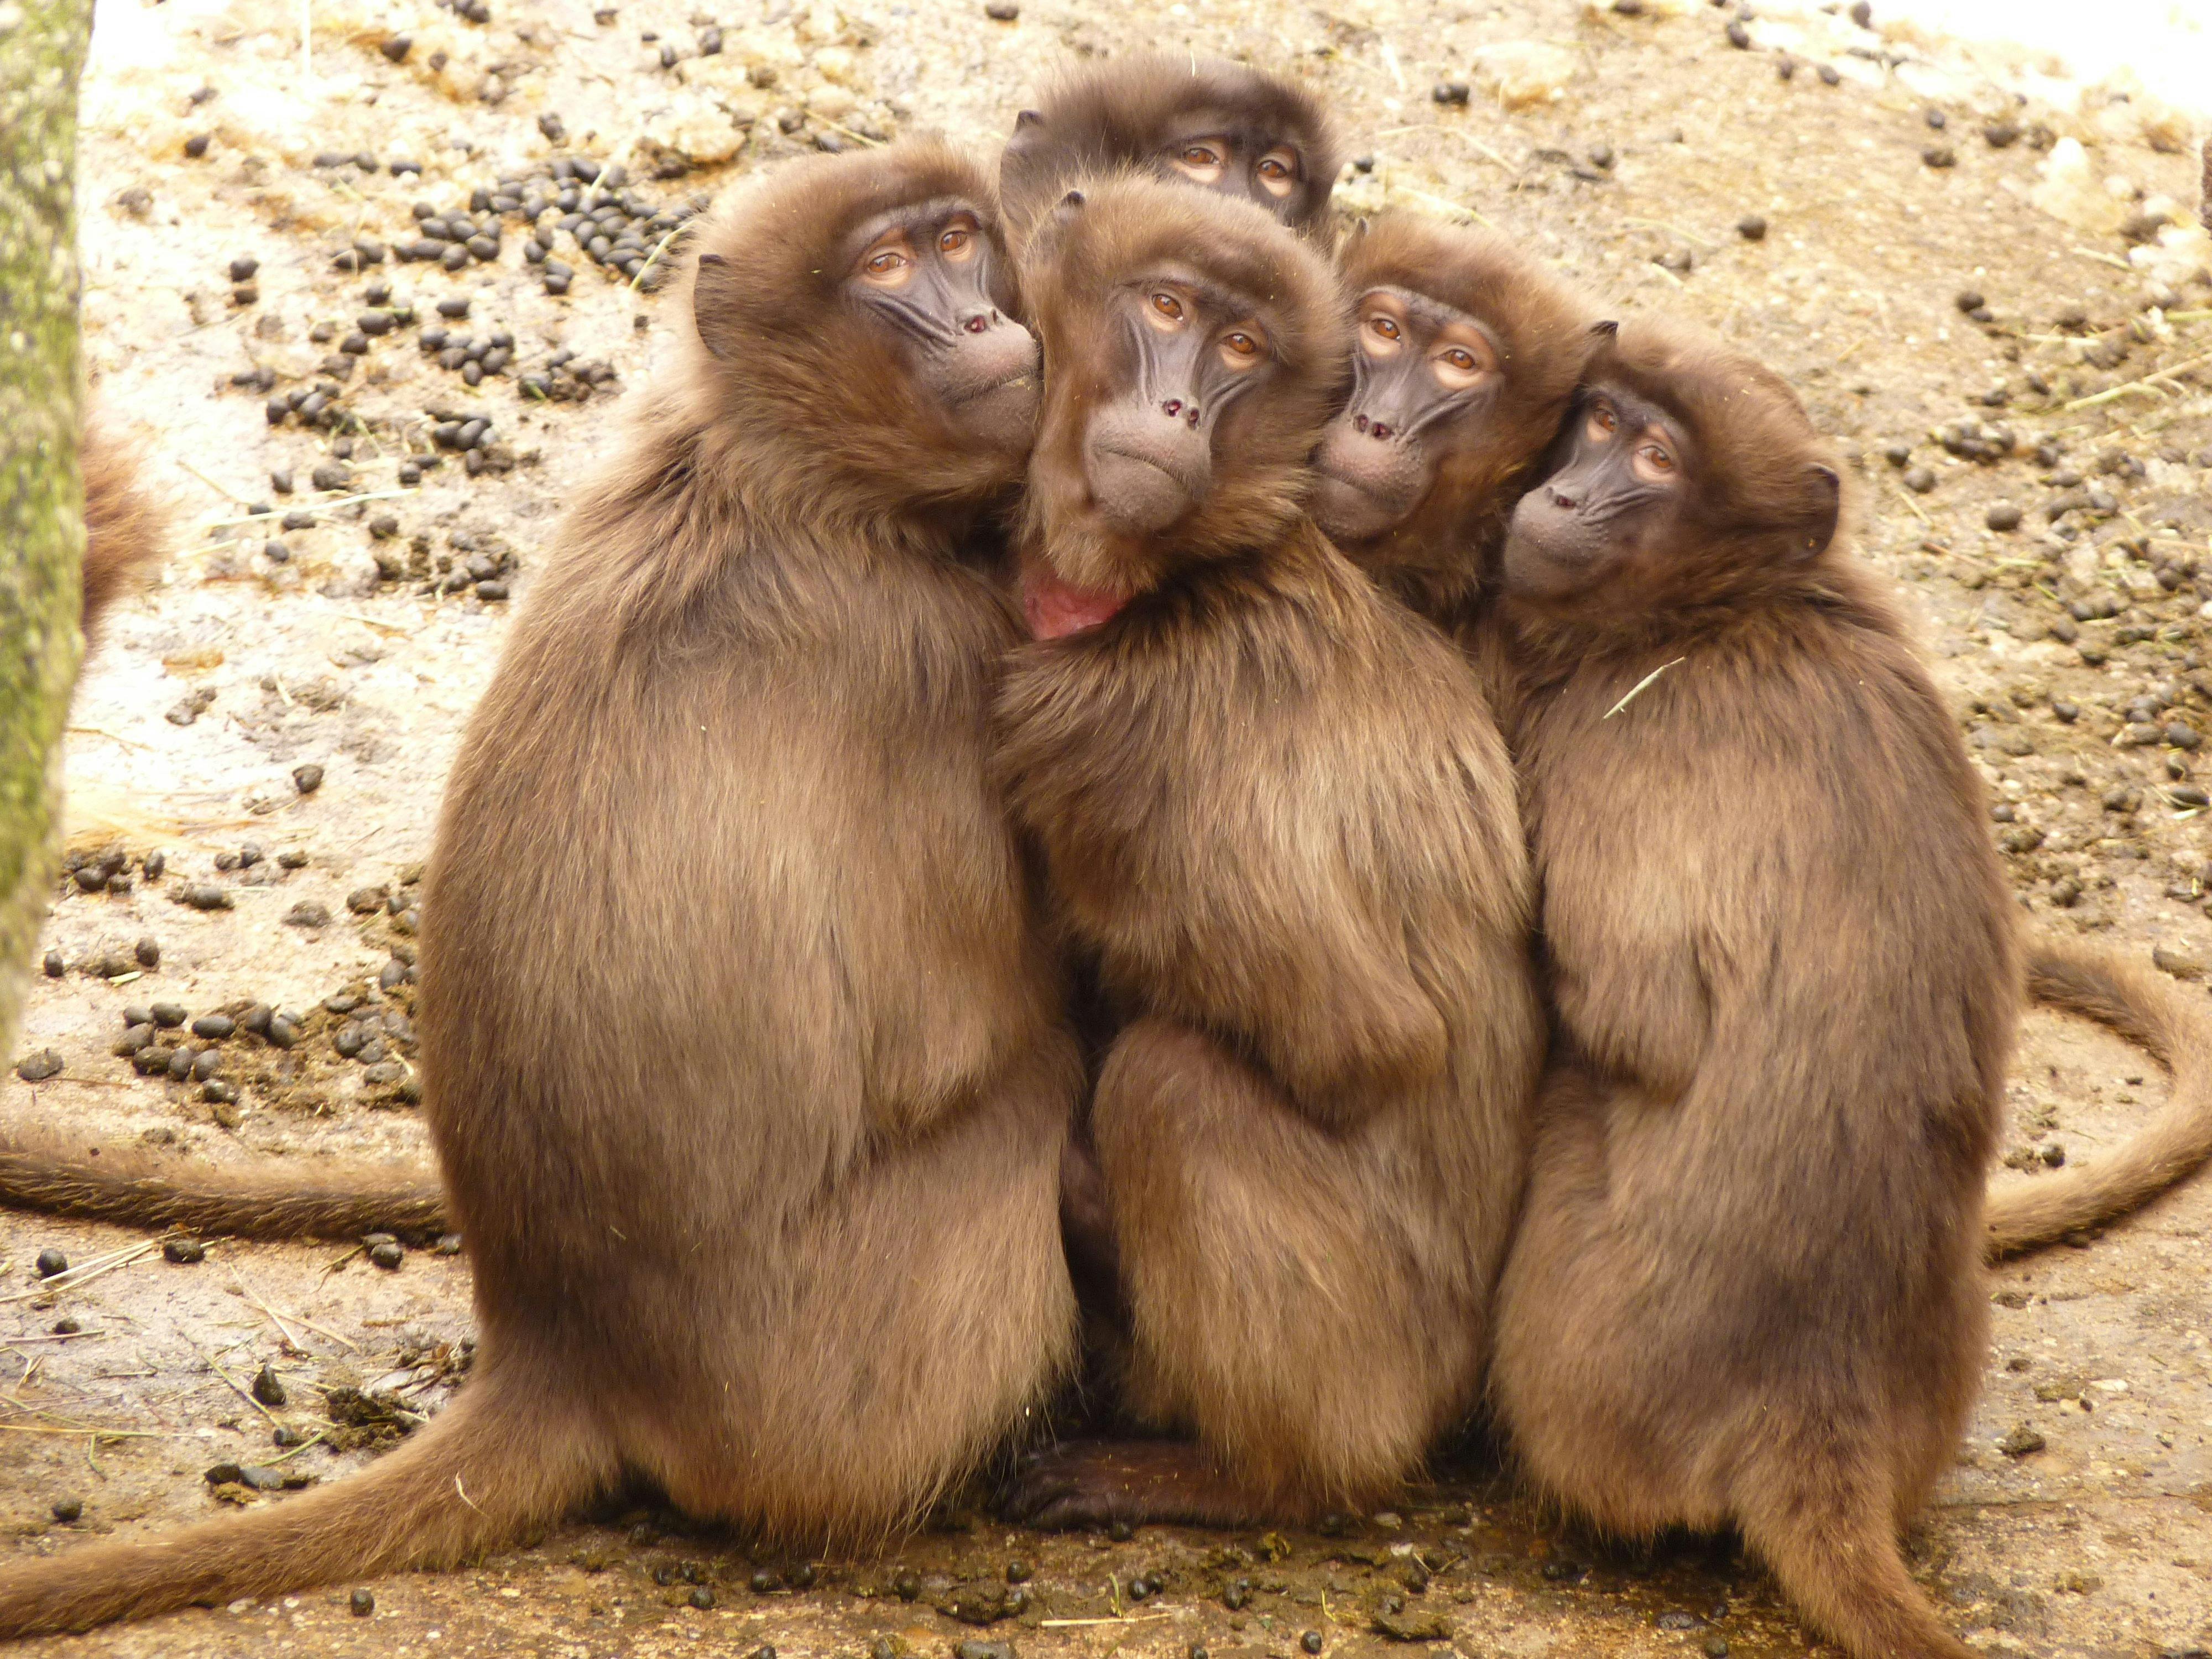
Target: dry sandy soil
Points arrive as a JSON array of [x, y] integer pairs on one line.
[[234, 670]]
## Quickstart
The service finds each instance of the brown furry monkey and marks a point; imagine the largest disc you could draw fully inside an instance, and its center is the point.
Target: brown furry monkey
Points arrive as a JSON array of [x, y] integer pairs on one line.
[[786, 1245], [1747, 1288], [1465, 356], [125, 527], [1222, 126], [1275, 809]]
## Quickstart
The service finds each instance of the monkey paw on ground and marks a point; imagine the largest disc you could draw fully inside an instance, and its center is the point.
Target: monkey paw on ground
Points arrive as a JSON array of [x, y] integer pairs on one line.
[[1095, 1483]]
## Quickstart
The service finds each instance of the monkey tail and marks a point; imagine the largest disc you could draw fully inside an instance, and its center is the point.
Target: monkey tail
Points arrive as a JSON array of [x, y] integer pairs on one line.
[[125, 529], [1833, 1549], [341, 1201], [499, 1462], [2150, 1013]]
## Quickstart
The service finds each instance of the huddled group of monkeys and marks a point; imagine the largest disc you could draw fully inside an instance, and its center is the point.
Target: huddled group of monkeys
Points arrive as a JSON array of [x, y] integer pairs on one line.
[[1461, 902]]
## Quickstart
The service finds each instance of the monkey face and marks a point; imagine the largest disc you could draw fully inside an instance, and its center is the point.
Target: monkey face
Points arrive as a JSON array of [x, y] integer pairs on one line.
[[1191, 348], [1618, 496], [934, 279], [1637, 515], [1424, 375]]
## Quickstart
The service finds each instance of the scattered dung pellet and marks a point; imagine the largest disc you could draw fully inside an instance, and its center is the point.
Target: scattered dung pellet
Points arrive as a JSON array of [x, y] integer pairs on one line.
[[68, 1510], [1740, 37], [1785, 68], [38, 1065], [54, 965], [1940, 155], [1969, 299], [1310, 1642], [2003, 516], [1002, 11], [1935, 118], [275, 552], [166, 1015], [1449, 93], [1751, 228], [1830, 75], [2022, 1441], [156, 862], [367, 901], [283, 1031], [384, 526], [2181, 736], [214, 1027], [2001, 134], [308, 913], [704, 1598], [361, 1604], [268, 1387], [1862, 12], [50, 1262], [243, 267], [306, 779], [1628, 7], [185, 1252], [387, 1254], [332, 475], [134, 1038], [196, 145], [206, 1064], [455, 307], [1919, 480], [491, 591]]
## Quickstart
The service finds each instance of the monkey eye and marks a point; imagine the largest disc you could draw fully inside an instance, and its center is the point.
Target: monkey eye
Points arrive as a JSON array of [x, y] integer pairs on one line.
[[889, 263], [1201, 160], [1167, 310], [1652, 463], [1240, 348], [1279, 171], [1602, 422], [956, 241]]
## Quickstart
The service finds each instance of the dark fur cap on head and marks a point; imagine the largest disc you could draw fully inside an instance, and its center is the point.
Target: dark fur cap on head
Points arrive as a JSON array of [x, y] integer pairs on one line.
[[1542, 326], [1095, 118], [1092, 247]]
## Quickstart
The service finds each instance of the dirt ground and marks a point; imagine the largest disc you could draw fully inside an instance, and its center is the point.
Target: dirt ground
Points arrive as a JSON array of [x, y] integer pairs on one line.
[[1624, 144]]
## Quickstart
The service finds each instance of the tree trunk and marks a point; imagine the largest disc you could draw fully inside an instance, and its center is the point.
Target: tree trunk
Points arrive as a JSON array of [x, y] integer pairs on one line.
[[42, 46]]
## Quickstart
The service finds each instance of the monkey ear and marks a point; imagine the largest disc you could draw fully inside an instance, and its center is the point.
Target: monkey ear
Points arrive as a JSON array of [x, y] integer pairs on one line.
[[1029, 118], [1604, 331], [1073, 199], [1824, 504], [714, 304]]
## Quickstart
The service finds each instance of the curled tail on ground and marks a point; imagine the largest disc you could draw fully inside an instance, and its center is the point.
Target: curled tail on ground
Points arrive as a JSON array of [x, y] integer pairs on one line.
[[501, 1463], [125, 527], [281, 1200], [2176, 1029]]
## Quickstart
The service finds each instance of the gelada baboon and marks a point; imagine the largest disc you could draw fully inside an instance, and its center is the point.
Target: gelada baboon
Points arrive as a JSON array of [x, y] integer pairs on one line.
[[126, 526], [1223, 125], [1465, 356], [1747, 1285], [1274, 807], [744, 1058]]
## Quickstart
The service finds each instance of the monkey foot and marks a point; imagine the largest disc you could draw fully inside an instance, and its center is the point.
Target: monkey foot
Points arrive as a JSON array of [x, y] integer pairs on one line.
[[1096, 1483]]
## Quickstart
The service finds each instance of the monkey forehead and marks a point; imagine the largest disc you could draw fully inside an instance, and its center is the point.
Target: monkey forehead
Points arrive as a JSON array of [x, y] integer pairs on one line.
[[1728, 403]]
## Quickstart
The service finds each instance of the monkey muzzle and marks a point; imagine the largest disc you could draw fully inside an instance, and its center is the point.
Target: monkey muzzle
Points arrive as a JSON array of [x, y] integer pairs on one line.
[[1376, 462], [1555, 546], [1149, 453]]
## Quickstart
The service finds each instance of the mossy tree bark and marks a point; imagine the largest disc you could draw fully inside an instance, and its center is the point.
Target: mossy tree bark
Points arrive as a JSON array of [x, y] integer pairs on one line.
[[42, 46]]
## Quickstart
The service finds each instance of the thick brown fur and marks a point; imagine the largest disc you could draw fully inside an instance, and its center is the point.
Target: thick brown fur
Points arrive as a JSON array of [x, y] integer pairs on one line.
[[127, 527], [1274, 808], [1747, 1287], [2174, 1029], [1438, 558], [1095, 118], [788, 1247]]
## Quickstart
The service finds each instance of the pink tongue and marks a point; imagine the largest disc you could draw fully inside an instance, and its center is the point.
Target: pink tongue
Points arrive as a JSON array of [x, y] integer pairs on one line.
[[1055, 609]]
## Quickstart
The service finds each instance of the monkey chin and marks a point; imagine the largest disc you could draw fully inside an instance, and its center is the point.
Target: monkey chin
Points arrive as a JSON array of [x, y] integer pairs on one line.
[[1137, 495], [1349, 513], [1544, 561], [1002, 419]]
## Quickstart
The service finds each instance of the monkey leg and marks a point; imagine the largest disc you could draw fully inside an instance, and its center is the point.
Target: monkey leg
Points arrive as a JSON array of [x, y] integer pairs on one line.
[[1300, 1298], [1632, 1395], [913, 1322]]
